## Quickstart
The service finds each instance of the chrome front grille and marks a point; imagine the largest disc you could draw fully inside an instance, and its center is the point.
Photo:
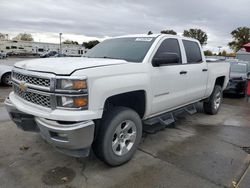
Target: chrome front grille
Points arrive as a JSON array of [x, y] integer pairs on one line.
[[35, 98], [31, 79], [40, 88]]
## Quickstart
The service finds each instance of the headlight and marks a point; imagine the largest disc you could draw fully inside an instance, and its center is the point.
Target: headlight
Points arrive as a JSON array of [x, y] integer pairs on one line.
[[71, 93], [72, 102], [71, 84]]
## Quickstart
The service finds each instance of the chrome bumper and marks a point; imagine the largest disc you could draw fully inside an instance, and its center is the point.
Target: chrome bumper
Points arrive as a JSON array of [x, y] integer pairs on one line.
[[71, 138]]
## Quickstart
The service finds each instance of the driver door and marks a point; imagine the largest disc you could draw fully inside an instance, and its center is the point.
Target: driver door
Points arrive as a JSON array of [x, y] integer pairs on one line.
[[168, 80]]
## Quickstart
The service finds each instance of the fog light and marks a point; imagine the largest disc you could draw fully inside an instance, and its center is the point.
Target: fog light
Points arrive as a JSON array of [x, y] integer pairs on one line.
[[63, 135]]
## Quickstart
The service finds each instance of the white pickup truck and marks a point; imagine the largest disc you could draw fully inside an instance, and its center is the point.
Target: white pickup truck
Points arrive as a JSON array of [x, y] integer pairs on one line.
[[102, 100]]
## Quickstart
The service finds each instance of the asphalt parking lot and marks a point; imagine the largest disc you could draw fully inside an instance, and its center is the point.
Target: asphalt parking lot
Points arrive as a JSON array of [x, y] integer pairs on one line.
[[200, 151]]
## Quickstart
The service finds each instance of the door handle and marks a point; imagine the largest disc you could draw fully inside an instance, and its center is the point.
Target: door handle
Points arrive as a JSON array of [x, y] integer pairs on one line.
[[204, 70], [183, 72]]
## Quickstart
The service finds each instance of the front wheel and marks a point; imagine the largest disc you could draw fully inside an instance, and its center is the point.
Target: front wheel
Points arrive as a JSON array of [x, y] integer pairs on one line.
[[6, 79], [213, 104], [118, 136]]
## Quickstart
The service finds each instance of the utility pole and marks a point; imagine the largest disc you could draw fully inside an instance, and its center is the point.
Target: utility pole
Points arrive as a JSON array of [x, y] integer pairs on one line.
[[60, 37], [219, 47]]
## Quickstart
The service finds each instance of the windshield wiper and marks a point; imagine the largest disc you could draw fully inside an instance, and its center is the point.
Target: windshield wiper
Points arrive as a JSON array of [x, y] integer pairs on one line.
[[105, 57]]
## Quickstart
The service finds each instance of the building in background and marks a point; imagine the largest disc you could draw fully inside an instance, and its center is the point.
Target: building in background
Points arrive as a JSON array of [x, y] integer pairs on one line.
[[33, 48], [244, 53]]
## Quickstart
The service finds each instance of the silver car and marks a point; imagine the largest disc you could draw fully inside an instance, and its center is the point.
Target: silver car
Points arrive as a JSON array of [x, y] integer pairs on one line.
[[3, 55], [5, 75]]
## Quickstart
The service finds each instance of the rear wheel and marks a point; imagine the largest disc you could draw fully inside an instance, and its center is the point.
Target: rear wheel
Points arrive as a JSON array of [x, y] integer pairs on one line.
[[6, 79], [213, 104], [118, 136]]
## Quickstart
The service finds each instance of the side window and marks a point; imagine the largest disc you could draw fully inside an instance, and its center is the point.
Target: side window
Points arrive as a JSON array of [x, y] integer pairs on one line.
[[170, 46], [193, 51]]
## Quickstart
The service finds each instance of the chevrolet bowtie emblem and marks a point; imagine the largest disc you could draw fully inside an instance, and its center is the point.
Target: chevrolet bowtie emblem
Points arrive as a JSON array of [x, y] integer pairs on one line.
[[23, 87]]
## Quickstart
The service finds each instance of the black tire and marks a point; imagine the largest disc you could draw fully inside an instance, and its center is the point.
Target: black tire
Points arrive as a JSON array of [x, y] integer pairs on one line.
[[213, 104], [241, 95], [6, 79], [103, 145]]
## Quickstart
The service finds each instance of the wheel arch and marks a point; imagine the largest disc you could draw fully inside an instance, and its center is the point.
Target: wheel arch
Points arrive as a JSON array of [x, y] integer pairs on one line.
[[220, 81], [135, 100]]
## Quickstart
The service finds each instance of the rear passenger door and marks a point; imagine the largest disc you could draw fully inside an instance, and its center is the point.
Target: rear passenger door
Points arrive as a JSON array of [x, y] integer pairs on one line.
[[197, 71]]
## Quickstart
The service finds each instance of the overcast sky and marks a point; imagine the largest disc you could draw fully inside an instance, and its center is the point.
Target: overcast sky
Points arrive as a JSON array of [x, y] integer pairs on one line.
[[83, 20]]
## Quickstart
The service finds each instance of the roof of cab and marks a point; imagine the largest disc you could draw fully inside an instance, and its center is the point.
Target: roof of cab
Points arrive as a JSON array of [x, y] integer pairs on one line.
[[157, 35]]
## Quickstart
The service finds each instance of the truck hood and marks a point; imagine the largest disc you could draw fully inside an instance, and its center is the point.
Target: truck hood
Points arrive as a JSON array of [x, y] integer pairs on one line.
[[65, 66]]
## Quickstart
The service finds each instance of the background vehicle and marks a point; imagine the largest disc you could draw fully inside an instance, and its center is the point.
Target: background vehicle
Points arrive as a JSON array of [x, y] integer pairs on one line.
[[5, 75], [102, 100], [60, 55], [238, 79], [48, 54], [213, 60], [3, 55]]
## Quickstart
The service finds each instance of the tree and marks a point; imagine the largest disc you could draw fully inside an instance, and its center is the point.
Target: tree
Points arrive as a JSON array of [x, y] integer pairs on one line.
[[23, 37], [208, 53], [240, 36], [70, 42], [171, 32], [196, 34], [150, 33], [231, 54], [224, 53], [3, 36], [90, 44]]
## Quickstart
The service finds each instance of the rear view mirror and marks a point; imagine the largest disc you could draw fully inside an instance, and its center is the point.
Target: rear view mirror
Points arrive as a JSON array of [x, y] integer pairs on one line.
[[165, 58]]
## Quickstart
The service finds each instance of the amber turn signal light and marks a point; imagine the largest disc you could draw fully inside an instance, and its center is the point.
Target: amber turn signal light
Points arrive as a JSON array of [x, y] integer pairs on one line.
[[80, 84], [80, 102]]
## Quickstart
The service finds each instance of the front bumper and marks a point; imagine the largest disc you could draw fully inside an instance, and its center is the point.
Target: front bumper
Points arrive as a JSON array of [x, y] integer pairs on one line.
[[71, 138]]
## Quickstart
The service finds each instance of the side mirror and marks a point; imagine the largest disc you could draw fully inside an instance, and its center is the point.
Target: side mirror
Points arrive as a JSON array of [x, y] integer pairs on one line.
[[165, 58]]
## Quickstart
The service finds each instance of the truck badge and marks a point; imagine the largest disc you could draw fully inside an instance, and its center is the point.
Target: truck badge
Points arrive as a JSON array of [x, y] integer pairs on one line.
[[23, 87]]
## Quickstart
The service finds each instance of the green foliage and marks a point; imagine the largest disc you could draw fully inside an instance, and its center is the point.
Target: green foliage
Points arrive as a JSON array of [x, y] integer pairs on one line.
[[90, 44], [240, 36], [208, 53], [150, 33], [233, 54], [224, 53], [3, 36], [196, 34], [23, 37], [70, 42], [171, 32]]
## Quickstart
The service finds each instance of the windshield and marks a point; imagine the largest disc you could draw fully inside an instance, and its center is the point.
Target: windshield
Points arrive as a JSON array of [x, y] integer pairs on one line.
[[238, 68], [132, 49]]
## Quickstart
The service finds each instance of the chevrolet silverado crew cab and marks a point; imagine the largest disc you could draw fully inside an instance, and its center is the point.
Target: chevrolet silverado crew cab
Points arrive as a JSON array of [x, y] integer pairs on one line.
[[102, 100]]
